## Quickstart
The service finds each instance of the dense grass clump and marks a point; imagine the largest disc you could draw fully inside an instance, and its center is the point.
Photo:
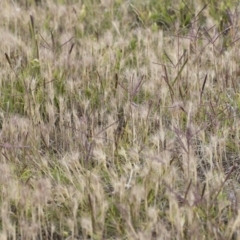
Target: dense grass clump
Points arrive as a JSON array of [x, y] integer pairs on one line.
[[119, 119]]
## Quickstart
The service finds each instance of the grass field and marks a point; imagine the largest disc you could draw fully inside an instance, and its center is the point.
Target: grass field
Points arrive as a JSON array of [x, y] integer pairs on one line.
[[119, 119]]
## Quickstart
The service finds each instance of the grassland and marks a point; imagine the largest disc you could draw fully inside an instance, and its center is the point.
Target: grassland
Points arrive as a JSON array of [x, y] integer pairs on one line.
[[119, 119]]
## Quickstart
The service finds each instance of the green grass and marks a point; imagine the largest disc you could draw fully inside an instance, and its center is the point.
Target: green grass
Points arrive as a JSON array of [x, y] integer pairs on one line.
[[119, 119]]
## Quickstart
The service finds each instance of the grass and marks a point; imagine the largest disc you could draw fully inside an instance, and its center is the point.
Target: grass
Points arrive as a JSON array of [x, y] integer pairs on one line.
[[119, 119]]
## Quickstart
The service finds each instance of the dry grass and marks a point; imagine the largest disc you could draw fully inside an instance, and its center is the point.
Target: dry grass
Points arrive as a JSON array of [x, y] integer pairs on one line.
[[119, 120]]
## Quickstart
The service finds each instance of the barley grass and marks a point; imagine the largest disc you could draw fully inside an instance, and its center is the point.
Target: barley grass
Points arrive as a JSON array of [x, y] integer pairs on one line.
[[119, 119]]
